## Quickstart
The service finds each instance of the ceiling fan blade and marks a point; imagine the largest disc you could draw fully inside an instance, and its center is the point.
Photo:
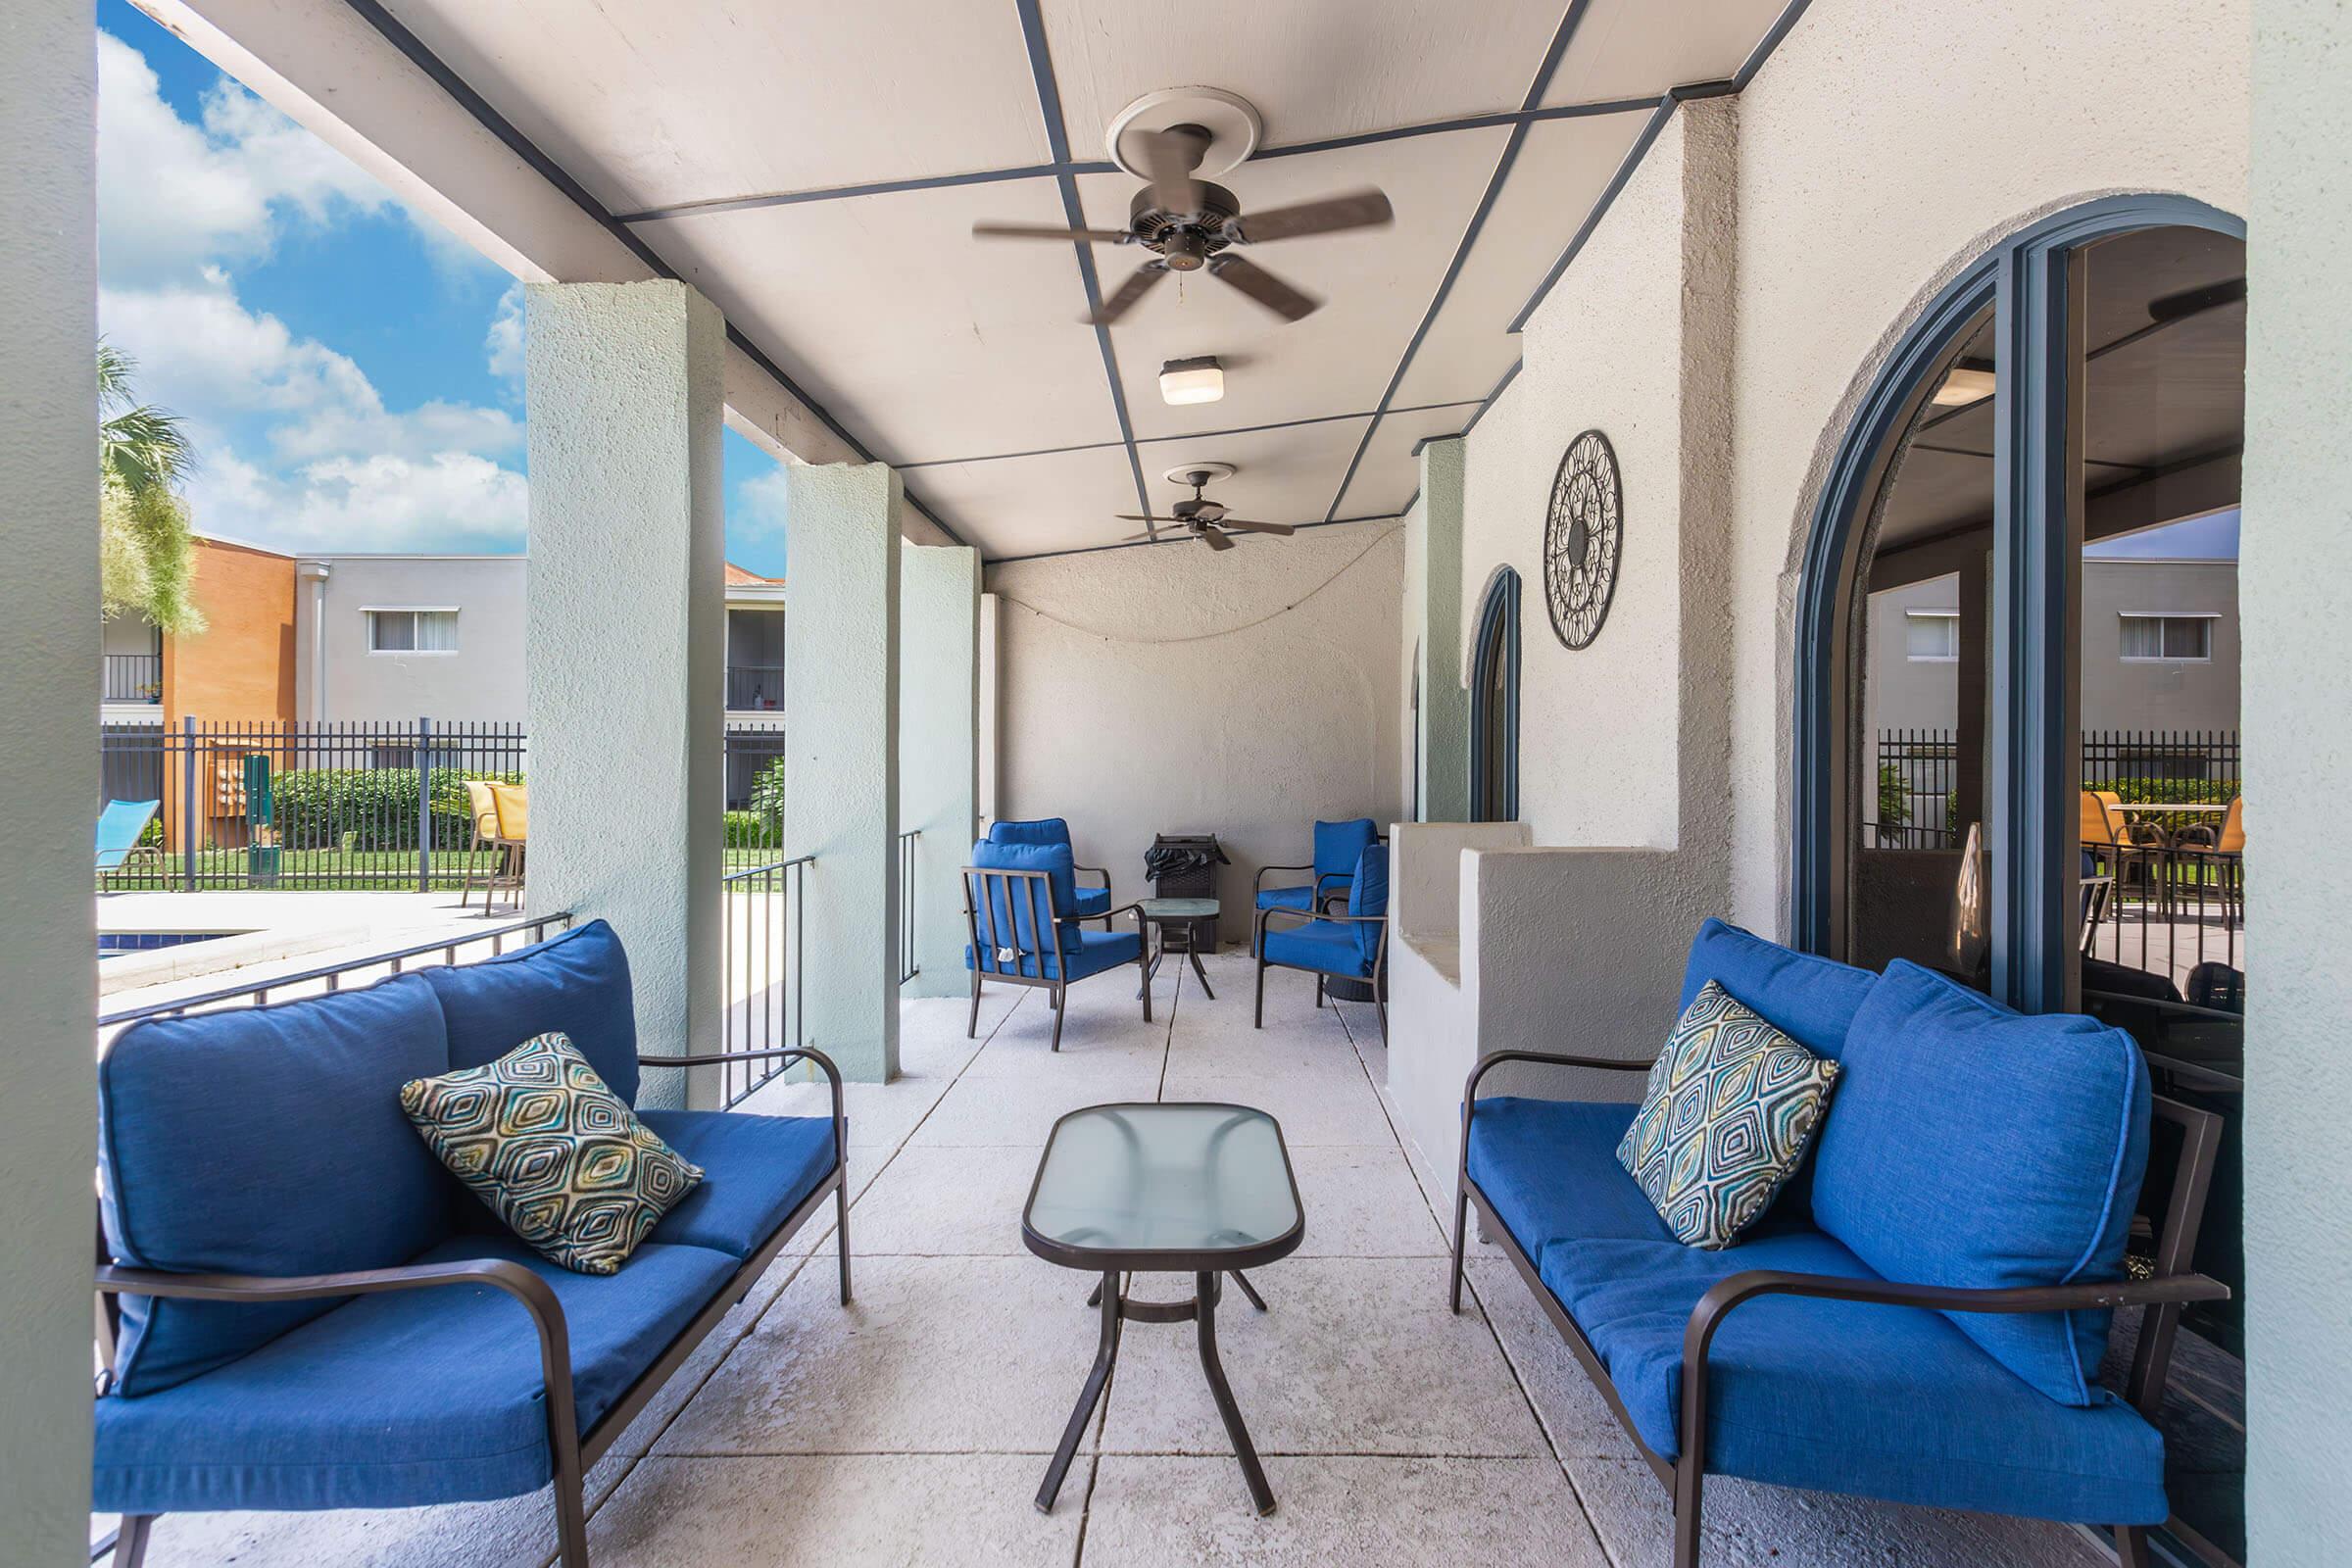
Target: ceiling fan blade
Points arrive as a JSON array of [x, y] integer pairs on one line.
[[1101, 236], [1170, 158], [1215, 540], [1264, 286], [1138, 285], [1358, 209], [1129, 517], [1246, 526], [1142, 538]]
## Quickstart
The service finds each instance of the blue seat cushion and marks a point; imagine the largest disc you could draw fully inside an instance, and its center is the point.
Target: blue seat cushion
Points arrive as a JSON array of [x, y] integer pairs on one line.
[[1043, 830], [1298, 898], [1977, 1148], [1092, 952], [1091, 900], [399, 1400], [1877, 1401], [755, 1171], [1368, 895], [265, 1140], [576, 982], [1340, 845], [1011, 912], [1326, 947], [1549, 1169]]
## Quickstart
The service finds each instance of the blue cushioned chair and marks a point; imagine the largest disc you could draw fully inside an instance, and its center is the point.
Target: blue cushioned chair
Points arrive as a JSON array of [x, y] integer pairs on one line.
[[1092, 904], [1918, 1317], [1338, 847], [1349, 946], [1021, 927], [307, 1312]]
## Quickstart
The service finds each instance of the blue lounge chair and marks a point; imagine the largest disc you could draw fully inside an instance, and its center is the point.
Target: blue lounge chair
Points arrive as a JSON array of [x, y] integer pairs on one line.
[[1338, 845], [119, 828], [1093, 903], [1330, 945]]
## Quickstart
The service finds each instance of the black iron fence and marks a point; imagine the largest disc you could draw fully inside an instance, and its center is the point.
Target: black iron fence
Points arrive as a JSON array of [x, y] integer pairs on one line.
[[1913, 803], [760, 944], [910, 965], [755, 687], [306, 806]]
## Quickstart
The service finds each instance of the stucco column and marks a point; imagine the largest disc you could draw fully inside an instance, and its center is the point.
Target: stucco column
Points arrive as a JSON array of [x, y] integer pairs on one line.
[[625, 616], [1434, 550], [939, 730], [49, 664], [2298, 731], [840, 704]]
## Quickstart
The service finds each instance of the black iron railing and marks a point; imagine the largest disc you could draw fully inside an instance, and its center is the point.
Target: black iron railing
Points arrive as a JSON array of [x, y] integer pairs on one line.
[[134, 678], [762, 947], [755, 687], [910, 962]]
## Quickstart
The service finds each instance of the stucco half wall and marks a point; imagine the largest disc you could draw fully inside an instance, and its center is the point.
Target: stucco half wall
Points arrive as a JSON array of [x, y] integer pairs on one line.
[[1175, 689]]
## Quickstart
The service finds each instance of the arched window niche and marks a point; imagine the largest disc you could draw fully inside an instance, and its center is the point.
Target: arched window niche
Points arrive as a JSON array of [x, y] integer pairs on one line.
[[1495, 702]]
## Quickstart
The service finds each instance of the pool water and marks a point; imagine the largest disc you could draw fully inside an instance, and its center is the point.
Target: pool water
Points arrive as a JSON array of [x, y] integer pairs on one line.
[[114, 944]]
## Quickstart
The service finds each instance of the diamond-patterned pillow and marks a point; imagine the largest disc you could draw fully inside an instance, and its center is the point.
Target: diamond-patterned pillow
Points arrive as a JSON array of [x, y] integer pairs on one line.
[[556, 1154], [1731, 1108]]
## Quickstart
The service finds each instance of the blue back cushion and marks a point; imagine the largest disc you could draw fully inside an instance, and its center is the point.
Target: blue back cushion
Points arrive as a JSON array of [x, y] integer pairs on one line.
[[1809, 998], [1338, 845], [1045, 830], [1974, 1146], [1368, 894], [1009, 916], [264, 1141], [577, 982]]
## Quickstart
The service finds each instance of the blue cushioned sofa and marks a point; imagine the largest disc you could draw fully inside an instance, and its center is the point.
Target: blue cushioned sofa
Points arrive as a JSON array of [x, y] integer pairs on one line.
[[308, 1311], [1921, 1314]]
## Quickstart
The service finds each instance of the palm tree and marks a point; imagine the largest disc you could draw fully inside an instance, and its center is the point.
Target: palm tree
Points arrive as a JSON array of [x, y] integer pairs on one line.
[[146, 543]]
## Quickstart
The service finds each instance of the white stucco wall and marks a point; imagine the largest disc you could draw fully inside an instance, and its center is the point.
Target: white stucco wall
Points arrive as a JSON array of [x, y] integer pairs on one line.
[[2298, 688], [1433, 630], [939, 731], [1175, 689], [1882, 148], [626, 620], [49, 640]]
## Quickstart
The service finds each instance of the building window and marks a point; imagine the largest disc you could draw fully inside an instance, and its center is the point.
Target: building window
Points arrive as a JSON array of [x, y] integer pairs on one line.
[[411, 631], [2167, 638], [1932, 636]]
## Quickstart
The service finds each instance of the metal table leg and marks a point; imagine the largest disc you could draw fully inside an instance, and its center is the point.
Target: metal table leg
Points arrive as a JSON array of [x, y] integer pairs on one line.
[[1107, 1295], [1206, 1287]]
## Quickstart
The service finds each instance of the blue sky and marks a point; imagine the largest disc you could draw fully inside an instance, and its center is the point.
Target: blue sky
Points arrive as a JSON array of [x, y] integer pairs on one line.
[[352, 373]]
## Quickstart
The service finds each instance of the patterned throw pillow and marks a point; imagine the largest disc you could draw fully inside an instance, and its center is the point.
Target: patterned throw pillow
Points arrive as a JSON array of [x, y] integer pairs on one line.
[[1730, 1107], [556, 1154]]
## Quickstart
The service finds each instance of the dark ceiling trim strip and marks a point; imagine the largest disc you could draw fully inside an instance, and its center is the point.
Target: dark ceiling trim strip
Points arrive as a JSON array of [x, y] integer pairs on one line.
[[1048, 102], [1508, 377], [390, 28], [1600, 208], [1050, 171], [1177, 539], [1192, 435], [1461, 252], [1764, 45]]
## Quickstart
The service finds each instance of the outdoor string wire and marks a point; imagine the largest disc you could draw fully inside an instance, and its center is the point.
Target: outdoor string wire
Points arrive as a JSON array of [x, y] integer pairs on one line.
[[1208, 636]]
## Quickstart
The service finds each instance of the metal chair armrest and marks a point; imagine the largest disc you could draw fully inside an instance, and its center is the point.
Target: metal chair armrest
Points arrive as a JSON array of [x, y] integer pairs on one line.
[[1257, 883], [824, 1063], [1101, 871], [1548, 1057], [537, 1297], [1310, 917]]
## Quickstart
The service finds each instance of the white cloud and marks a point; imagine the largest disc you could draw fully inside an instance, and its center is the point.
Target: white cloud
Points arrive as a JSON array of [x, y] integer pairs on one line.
[[759, 510], [449, 501], [502, 343]]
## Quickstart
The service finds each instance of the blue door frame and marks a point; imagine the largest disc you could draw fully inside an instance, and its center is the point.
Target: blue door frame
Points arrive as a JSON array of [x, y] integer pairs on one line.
[[2032, 713], [1497, 638]]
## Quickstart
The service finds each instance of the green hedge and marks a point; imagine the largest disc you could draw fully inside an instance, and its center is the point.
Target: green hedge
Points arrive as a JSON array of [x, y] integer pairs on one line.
[[2169, 791], [749, 830], [373, 808]]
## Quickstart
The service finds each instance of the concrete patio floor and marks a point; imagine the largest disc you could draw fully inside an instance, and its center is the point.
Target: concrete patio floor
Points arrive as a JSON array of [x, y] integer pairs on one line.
[[913, 1425]]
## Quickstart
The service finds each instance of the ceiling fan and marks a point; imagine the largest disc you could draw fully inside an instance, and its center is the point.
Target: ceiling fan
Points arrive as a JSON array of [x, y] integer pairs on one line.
[[1204, 520], [1190, 224]]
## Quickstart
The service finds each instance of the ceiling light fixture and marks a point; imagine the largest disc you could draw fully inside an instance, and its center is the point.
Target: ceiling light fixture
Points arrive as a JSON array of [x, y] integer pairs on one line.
[[1200, 380], [1963, 386]]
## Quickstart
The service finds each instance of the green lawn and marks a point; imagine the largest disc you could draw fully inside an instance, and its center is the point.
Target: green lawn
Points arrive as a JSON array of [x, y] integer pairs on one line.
[[338, 870]]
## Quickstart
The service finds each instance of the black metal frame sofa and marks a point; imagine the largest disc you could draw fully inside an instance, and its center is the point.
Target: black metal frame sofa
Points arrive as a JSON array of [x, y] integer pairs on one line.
[[303, 1309], [1921, 1313]]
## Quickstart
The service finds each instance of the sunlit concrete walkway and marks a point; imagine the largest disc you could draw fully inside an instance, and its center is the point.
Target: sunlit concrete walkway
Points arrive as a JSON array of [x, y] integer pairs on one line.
[[913, 1427]]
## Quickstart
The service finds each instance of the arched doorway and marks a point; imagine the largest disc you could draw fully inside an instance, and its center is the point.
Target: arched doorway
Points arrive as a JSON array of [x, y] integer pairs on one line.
[[2015, 739], [1495, 704]]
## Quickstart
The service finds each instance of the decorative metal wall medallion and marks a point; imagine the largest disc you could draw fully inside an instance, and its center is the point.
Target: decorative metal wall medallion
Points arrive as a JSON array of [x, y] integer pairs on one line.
[[1581, 536]]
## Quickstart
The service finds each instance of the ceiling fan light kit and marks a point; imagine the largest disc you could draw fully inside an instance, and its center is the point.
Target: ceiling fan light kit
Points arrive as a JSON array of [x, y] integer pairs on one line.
[[1195, 380]]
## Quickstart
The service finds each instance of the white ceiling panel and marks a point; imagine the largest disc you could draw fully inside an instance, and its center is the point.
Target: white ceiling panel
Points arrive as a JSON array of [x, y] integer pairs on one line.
[[1316, 69], [1640, 48], [653, 103], [1375, 283], [1389, 473], [1560, 172], [926, 341], [1028, 506]]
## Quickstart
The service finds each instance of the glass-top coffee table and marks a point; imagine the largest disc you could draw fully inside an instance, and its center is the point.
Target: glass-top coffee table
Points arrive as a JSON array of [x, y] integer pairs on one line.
[[1178, 1187], [1191, 913]]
